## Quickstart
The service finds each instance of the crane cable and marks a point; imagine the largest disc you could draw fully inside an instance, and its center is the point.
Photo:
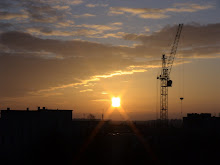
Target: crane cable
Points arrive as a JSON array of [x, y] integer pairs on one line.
[[181, 77]]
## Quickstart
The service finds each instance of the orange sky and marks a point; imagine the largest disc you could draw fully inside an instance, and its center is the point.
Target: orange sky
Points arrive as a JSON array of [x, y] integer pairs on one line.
[[79, 54]]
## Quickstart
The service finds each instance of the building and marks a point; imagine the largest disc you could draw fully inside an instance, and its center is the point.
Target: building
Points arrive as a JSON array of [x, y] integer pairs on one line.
[[203, 120], [25, 131]]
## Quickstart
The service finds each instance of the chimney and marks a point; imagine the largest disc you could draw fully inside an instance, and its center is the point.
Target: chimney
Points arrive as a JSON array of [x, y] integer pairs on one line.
[[38, 108], [44, 108], [27, 109], [8, 109]]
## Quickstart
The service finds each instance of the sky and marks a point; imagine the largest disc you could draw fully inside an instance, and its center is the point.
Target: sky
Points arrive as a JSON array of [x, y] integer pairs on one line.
[[78, 54]]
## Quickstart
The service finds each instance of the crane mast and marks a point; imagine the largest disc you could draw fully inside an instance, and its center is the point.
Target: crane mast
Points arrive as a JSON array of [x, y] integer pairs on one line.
[[165, 82]]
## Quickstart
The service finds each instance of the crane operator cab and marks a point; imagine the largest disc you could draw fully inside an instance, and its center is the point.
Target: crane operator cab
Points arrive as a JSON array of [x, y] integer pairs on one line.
[[169, 83]]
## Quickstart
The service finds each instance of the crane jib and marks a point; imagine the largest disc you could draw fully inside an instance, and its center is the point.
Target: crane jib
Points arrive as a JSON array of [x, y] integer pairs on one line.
[[174, 49]]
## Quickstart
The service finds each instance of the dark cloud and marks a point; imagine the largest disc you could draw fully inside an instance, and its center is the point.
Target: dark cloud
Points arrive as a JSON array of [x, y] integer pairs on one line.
[[199, 40], [4, 26], [27, 65], [158, 13], [25, 41], [45, 30], [4, 15], [30, 64], [4, 4], [35, 11], [42, 12]]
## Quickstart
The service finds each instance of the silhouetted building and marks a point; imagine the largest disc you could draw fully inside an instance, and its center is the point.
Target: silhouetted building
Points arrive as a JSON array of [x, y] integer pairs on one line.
[[21, 130], [203, 120]]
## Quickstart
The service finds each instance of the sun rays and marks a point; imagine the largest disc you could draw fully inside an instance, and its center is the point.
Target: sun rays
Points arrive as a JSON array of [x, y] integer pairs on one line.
[[116, 106]]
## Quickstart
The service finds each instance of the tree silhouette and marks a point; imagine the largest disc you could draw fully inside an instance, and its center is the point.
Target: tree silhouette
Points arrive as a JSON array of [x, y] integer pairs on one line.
[[91, 116]]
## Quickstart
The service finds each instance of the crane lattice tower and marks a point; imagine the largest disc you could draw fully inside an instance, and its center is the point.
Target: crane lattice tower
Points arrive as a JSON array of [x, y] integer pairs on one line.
[[165, 82]]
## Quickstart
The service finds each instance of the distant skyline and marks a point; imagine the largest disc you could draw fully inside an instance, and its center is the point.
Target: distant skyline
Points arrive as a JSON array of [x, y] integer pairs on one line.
[[78, 54]]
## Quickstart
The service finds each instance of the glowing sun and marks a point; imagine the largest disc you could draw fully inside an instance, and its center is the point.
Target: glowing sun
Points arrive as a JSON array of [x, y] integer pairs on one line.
[[116, 102]]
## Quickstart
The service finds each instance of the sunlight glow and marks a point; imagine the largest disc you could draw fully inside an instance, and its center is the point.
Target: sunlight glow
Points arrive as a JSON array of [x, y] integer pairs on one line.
[[116, 102]]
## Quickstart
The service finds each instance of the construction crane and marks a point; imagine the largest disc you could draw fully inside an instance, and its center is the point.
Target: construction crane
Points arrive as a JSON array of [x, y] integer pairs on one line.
[[165, 82]]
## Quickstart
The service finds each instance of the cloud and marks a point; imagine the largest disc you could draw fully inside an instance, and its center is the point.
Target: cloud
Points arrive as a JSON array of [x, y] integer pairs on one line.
[[59, 7], [91, 5], [40, 29], [101, 100], [48, 32], [156, 13], [114, 11], [87, 30], [113, 26], [187, 7], [113, 35], [153, 16], [86, 90], [98, 31], [196, 40], [117, 23], [119, 73], [104, 93], [69, 2], [86, 15], [146, 13], [39, 66], [64, 24], [44, 13], [5, 26], [75, 2], [8, 16], [44, 31], [91, 79], [33, 11], [147, 29], [96, 5], [135, 10], [34, 71]]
